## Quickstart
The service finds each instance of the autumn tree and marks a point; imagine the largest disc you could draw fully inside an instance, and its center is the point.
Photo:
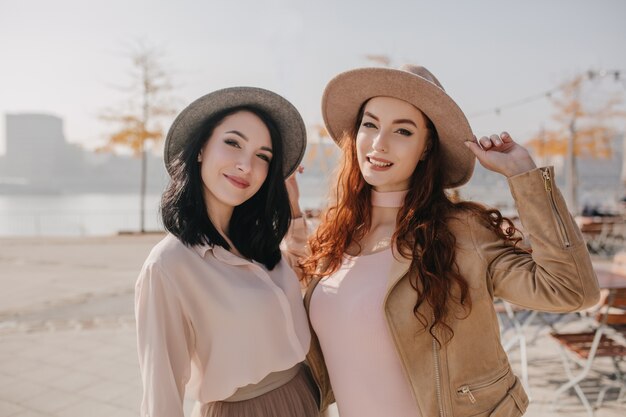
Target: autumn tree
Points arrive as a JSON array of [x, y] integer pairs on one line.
[[583, 128], [138, 121]]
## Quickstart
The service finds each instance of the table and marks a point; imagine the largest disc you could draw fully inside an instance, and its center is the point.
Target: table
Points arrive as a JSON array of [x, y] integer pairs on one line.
[[609, 280]]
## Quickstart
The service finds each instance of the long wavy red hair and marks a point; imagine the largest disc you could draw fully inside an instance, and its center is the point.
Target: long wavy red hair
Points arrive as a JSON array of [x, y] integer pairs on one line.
[[422, 233]]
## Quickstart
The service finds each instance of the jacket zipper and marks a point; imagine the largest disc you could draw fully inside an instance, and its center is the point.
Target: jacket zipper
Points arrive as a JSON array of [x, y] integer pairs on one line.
[[437, 376], [467, 390], [547, 183]]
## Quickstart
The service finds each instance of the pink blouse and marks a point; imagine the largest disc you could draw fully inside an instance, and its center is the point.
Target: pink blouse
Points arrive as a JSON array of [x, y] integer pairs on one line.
[[347, 315], [214, 321]]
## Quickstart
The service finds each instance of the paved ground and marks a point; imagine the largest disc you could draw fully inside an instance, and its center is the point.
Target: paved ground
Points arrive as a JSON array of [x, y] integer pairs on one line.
[[67, 339]]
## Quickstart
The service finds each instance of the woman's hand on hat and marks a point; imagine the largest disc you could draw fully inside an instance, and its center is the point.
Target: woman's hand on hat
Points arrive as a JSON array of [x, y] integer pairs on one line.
[[500, 153], [294, 192]]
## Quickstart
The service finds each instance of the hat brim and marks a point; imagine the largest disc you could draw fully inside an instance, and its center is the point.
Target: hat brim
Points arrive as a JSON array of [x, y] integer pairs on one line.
[[345, 94], [284, 115]]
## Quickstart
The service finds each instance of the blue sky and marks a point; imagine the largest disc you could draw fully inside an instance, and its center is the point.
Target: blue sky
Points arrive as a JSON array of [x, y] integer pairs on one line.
[[61, 57]]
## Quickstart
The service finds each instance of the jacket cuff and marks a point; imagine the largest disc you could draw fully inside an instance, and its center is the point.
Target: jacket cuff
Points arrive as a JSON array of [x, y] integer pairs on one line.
[[529, 183]]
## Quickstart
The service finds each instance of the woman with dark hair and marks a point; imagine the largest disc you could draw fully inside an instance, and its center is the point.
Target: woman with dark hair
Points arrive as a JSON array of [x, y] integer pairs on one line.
[[218, 309], [402, 278]]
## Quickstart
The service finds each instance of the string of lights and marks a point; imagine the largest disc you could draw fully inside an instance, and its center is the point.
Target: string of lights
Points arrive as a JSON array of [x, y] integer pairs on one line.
[[618, 75]]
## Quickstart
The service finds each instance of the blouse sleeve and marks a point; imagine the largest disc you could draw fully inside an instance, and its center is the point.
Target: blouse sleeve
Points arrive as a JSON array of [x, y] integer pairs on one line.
[[163, 343], [557, 275], [294, 246]]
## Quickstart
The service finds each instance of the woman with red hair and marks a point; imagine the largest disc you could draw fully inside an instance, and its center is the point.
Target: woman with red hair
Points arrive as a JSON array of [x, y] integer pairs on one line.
[[402, 278]]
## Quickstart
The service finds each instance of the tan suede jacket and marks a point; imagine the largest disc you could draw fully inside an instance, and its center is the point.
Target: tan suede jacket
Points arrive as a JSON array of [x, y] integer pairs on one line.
[[470, 375]]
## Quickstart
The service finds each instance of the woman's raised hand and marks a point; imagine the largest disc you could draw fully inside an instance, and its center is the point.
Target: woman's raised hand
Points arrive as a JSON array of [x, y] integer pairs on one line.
[[500, 153], [294, 192]]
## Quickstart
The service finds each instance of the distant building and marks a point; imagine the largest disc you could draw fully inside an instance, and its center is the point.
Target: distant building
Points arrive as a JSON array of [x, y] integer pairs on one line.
[[38, 159]]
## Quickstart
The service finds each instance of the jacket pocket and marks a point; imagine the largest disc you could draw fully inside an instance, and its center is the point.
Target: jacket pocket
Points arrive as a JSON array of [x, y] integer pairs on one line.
[[479, 398], [514, 403]]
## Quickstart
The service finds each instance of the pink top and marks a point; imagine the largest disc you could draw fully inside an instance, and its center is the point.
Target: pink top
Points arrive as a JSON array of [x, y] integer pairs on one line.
[[347, 315], [215, 322]]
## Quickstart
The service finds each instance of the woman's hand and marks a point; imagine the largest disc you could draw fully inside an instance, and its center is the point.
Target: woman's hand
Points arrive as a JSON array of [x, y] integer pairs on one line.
[[500, 153], [294, 192]]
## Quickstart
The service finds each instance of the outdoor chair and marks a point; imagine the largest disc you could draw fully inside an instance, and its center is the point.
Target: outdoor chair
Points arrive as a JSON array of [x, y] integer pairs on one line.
[[514, 324], [604, 339], [605, 237]]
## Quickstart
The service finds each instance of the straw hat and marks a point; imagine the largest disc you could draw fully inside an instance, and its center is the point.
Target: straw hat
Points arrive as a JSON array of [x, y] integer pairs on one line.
[[345, 94], [282, 112]]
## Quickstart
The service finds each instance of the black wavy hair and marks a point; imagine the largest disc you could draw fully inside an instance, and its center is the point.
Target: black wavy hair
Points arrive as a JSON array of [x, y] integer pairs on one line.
[[256, 227]]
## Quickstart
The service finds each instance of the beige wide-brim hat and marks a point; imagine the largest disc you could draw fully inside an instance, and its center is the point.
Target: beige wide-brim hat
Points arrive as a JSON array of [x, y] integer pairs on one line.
[[284, 115], [345, 94]]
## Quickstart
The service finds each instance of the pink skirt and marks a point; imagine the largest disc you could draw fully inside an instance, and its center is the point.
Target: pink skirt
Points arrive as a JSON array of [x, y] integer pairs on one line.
[[296, 398]]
